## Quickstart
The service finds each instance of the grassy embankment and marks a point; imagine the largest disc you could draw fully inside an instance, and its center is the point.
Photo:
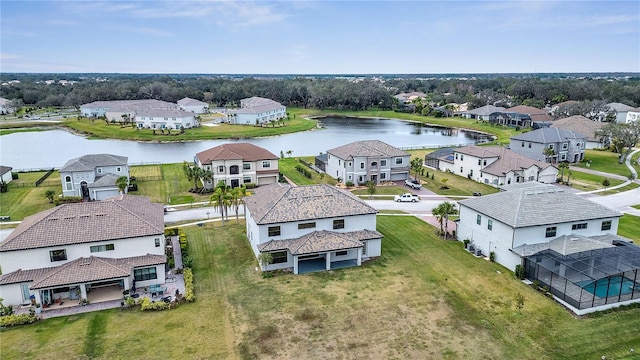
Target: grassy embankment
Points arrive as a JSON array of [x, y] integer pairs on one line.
[[424, 298], [629, 227]]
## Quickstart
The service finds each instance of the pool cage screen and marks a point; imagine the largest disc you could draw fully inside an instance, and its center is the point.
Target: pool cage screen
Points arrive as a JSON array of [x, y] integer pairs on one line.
[[590, 278]]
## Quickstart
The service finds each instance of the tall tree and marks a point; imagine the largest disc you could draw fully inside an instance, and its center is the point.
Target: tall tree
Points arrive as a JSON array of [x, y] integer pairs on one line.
[[192, 173], [221, 199], [237, 198], [563, 166], [122, 182], [443, 211], [416, 165], [621, 136], [549, 154], [371, 188]]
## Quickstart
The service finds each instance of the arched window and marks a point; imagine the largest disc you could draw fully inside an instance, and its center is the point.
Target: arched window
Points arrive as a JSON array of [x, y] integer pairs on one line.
[[67, 183]]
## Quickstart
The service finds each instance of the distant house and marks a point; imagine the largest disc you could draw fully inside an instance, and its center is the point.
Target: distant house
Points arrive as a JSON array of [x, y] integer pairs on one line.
[[633, 115], [238, 163], [93, 176], [407, 98], [165, 119], [482, 113], [194, 106], [567, 145], [576, 254], [620, 111], [256, 110], [534, 113], [311, 228], [583, 125], [90, 250], [497, 165], [5, 174], [368, 160], [6, 106], [117, 108]]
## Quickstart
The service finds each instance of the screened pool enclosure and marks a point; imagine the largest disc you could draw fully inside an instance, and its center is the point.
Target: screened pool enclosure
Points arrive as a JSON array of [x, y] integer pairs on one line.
[[590, 278]]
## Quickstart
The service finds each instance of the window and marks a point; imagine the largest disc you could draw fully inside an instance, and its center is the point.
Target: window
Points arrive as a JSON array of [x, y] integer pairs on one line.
[[551, 146], [490, 224], [339, 163], [383, 162], [341, 253], [374, 164], [221, 169], [529, 145], [67, 182], [364, 248], [565, 146], [398, 161], [456, 156], [479, 219], [531, 178], [484, 162], [580, 226], [479, 161], [266, 164], [157, 242], [246, 166], [522, 144], [471, 172], [58, 255], [461, 168], [118, 169], [234, 169], [550, 232], [361, 165], [383, 176], [461, 157], [279, 257], [246, 179], [99, 170], [274, 230], [145, 274], [101, 248], [309, 225], [338, 224], [606, 225]]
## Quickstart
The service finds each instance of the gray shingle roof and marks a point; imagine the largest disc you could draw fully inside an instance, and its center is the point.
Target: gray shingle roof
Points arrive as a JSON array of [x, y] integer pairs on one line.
[[486, 110], [5, 169], [619, 107], [168, 113], [278, 203], [235, 151], [191, 102], [565, 245], [540, 205], [321, 241], [130, 105], [116, 218], [92, 161], [549, 135], [373, 148], [107, 180]]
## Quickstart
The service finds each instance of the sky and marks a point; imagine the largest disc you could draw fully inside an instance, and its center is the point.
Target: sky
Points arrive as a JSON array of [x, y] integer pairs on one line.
[[319, 37]]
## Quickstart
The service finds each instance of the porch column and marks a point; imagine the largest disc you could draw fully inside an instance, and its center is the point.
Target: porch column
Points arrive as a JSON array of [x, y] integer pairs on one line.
[[327, 265], [295, 265], [359, 258], [83, 291], [126, 283]]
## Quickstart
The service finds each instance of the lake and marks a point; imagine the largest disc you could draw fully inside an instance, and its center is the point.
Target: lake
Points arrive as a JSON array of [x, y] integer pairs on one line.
[[46, 149]]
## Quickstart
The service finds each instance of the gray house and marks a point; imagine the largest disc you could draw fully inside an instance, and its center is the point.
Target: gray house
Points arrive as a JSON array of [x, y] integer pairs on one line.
[[93, 176], [567, 145], [482, 113]]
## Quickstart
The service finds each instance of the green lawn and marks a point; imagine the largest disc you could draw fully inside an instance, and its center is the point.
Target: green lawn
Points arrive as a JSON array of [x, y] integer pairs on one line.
[[424, 298], [587, 182], [605, 161], [23, 198], [287, 167], [165, 184], [629, 227]]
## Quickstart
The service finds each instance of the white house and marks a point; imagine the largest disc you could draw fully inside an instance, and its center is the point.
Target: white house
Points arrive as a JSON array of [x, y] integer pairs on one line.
[[632, 115], [72, 251], [368, 160], [620, 110], [311, 228], [93, 176], [256, 110], [567, 145], [193, 105], [582, 125], [531, 222], [165, 119], [6, 106], [5, 174], [496, 165], [114, 110], [238, 163]]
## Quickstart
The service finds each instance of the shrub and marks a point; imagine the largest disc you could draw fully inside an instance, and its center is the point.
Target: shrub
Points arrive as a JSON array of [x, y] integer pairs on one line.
[[492, 256], [171, 232], [520, 272], [67, 200], [250, 185], [147, 304], [349, 183], [13, 320], [189, 296]]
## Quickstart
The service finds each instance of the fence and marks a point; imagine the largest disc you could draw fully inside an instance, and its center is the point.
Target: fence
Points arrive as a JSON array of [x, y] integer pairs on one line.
[[44, 177]]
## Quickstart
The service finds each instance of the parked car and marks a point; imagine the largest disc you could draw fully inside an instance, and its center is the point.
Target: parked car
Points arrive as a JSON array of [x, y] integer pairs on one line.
[[406, 197], [414, 184], [477, 194]]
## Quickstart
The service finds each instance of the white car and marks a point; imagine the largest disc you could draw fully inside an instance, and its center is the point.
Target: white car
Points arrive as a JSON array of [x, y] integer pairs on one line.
[[406, 197], [414, 184]]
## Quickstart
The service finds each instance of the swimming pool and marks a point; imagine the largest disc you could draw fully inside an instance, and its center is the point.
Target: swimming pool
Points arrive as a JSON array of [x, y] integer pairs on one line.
[[618, 285]]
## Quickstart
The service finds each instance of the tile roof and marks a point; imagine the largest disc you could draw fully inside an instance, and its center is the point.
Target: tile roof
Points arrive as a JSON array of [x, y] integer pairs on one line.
[[581, 124], [511, 161], [5, 169], [479, 151], [93, 269], [321, 241], [191, 102], [539, 205], [279, 203], [116, 218], [368, 148], [619, 107], [235, 151], [529, 110], [92, 161], [549, 135]]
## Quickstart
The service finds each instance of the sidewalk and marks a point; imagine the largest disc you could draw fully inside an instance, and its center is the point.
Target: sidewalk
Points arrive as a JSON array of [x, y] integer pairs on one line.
[[614, 176]]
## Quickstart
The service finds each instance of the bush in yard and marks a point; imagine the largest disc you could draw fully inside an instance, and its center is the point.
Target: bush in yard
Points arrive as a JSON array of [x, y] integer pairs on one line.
[[67, 200], [147, 304], [520, 272], [13, 320], [189, 296], [171, 232]]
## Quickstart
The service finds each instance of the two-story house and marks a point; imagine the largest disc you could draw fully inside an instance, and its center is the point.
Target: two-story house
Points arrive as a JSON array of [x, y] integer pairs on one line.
[[565, 242], [238, 163], [368, 160], [67, 252], [496, 165], [562, 145], [93, 176], [193, 105], [257, 110], [165, 119], [311, 228]]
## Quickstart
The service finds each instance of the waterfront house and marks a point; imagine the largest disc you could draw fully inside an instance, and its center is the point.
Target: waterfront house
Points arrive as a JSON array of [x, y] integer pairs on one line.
[[565, 145], [256, 111], [93, 176], [193, 105]]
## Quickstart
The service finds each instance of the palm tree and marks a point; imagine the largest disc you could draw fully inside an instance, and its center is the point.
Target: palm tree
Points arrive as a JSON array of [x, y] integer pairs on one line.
[[416, 165], [563, 165], [237, 198], [549, 153], [437, 212], [206, 176], [289, 152], [122, 183], [49, 194], [221, 199], [443, 211], [192, 173]]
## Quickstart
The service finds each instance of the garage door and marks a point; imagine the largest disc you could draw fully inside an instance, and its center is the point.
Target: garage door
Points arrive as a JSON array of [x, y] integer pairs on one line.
[[267, 180]]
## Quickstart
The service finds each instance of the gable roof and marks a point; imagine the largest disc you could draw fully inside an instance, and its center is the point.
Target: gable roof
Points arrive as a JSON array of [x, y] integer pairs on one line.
[[479, 151], [235, 151], [540, 205], [486, 110], [320, 241], [549, 135], [579, 123], [176, 113], [5, 169], [129, 105], [509, 161], [366, 148], [278, 203], [191, 102], [619, 107], [529, 110], [116, 218], [107, 180], [92, 161], [256, 105]]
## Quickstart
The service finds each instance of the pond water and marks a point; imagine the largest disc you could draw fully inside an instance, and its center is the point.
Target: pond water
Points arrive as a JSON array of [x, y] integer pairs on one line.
[[46, 149]]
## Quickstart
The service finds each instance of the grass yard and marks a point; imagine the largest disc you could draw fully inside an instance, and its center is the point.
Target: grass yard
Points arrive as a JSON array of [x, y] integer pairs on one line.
[[287, 167], [424, 298], [458, 185], [605, 161], [23, 198], [165, 184], [587, 182], [619, 190], [629, 227]]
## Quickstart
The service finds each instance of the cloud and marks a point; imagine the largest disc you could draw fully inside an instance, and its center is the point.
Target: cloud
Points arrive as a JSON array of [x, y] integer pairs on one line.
[[5, 56], [62, 22], [155, 32]]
